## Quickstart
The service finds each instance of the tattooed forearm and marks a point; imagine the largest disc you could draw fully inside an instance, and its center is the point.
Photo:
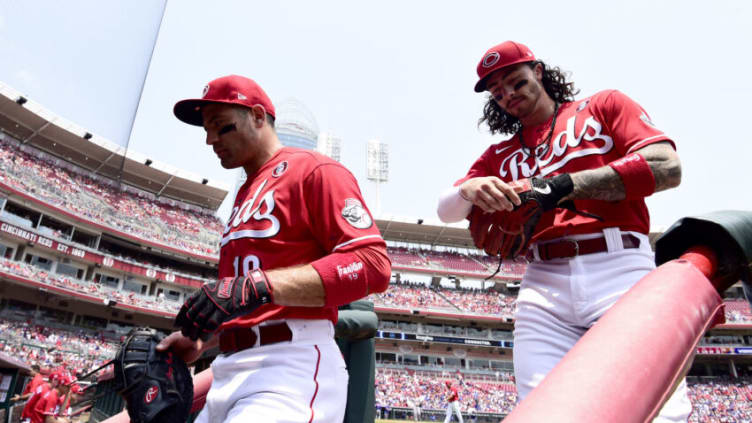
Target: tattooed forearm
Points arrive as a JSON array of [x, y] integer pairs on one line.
[[665, 164], [602, 183], [605, 184]]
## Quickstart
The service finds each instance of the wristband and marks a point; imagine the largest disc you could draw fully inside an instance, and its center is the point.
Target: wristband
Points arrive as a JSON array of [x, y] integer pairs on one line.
[[352, 275], [636, 176]]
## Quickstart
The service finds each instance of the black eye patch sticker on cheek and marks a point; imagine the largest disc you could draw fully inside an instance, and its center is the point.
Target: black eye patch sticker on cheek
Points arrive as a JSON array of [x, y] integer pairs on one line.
[[227, 128], [520, 84]]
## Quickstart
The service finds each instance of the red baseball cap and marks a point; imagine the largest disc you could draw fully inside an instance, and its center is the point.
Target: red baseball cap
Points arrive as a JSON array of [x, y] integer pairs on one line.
[[231, 89], [66, 379], [505, 54]]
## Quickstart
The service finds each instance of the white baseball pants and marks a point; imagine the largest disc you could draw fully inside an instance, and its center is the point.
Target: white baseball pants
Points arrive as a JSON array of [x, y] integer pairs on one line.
[[560, 299], [298, 381], [453, 407]]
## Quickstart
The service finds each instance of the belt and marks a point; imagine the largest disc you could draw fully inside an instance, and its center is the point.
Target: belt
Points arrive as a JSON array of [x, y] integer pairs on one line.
[[568, 248], [234, 340]]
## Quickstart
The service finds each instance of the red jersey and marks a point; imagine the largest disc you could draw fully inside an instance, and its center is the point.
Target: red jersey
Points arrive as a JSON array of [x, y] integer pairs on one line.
[[299, 206], [453, 395], [48, 405], [37, 380], [38, 393], [589, 133]]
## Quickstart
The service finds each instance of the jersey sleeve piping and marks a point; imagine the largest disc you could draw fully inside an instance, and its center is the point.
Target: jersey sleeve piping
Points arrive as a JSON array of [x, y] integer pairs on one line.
[[650, 140], [354, 240]]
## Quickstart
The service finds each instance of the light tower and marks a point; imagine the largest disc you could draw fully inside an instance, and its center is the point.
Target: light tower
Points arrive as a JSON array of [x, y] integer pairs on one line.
[[377, 165], [330, 145]]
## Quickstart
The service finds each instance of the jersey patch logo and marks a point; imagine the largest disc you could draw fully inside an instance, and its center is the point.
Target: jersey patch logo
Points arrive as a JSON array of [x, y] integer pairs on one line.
[[582, 105], [280, 169], [356, 215]]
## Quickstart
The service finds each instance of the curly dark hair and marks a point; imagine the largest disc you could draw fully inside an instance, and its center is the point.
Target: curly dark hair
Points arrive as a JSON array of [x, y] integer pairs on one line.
[[556, 86]]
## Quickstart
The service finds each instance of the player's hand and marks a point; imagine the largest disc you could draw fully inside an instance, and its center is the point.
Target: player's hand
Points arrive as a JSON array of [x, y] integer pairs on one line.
[[221, 301], [508, 234], [15, 398], [490, 194], [546, 192], [182, 346]]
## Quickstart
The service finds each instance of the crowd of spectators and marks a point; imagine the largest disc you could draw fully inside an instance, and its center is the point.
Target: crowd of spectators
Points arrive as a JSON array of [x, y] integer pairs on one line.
[[452, 261], [415, 295], [406, 294], [88, 288], [721, 400], [737, 311], [97, 199], [78, 351], [480, 301], [406, 388]]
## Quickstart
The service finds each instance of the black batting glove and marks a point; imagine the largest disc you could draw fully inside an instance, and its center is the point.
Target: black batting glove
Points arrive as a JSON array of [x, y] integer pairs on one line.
[[221, 301], [549, 191]]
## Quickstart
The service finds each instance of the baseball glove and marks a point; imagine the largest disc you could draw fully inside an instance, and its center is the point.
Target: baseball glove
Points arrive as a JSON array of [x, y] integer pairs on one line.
[[156, 386], [508, 233]]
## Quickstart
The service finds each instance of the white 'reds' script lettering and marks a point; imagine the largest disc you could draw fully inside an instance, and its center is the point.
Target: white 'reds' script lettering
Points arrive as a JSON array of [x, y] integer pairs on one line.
[[516, 166], [261, 212]]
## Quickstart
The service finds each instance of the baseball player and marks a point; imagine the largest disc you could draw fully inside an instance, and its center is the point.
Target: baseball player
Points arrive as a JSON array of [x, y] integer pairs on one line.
[[416, 404], [48, 408], [590, 163], [36, 380], [41, 389], [453, 400], [300, 241]]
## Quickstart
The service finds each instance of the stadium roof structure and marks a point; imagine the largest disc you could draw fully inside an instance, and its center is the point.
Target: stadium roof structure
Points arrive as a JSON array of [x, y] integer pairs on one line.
[[34, 125], [418, 231]]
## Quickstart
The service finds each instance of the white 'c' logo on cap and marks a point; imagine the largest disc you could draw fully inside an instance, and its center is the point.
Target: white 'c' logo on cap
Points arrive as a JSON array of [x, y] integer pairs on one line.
[[206, 91], [491, 59]]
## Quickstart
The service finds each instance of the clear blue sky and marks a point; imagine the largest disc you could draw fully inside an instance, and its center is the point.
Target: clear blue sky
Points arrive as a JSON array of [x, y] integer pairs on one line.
[[399, 71]]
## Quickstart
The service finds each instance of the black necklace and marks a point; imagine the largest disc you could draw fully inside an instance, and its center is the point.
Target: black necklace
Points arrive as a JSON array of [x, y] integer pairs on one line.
[[544, 150]]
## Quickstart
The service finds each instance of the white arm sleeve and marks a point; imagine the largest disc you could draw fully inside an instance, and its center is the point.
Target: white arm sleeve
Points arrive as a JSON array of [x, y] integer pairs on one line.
[[452, 207]]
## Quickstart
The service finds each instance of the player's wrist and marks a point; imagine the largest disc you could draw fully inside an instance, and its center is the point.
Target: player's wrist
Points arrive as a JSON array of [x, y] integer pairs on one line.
[[260, 287], [462, 193], [553, 190]]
